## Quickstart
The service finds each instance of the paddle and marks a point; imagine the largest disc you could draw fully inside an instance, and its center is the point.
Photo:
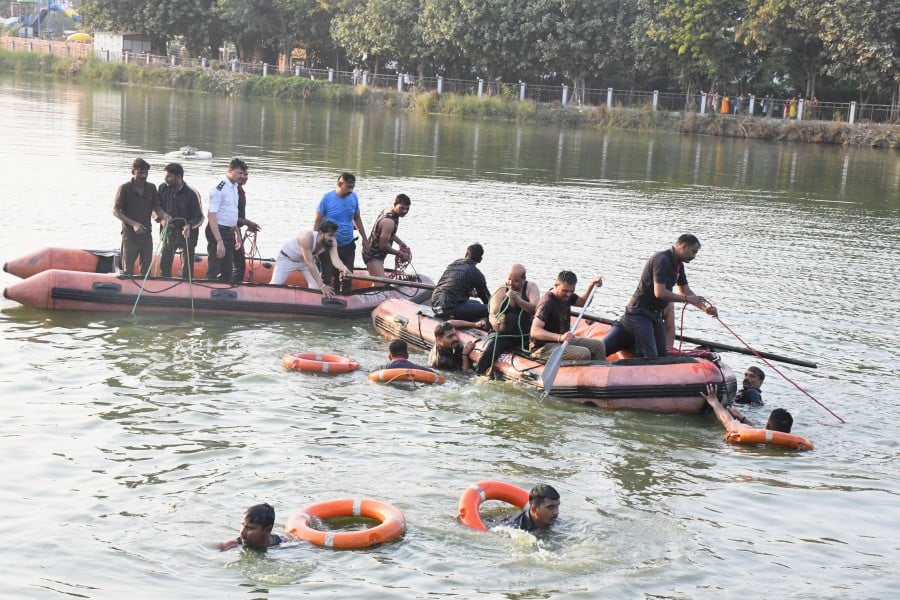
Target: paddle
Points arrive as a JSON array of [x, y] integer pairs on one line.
[[719, 346], [396, 282], [548, 375]]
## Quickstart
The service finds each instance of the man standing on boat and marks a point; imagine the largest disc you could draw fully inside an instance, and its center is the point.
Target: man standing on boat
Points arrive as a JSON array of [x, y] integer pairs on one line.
[[136, 201], [383, 236], [182, 202], [342, 206], [240, 259], [221, 230], [511, 310], [550, 327], [461, 279], [642, 327]]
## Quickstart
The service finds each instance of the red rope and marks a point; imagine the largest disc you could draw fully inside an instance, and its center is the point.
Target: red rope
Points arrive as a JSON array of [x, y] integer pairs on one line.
[[774, 368]]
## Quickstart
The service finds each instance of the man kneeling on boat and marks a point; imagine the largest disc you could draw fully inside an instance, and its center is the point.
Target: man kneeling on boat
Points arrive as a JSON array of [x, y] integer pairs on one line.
[[550, 327], [300, 254]]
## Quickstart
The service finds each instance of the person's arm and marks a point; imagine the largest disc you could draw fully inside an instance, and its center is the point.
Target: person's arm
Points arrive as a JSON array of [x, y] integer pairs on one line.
[[317, 221], [306, 250], [195, 218], [726, 418], [529, 299], [462, 324], [540, 333], [495, 306], [119, 211], [336, 261], [688, 296], [481, 288], [250, 225], [217, 235], [387, 236], [595, 282], [357, 221], [229, 544], [466, 350], [161, 215]]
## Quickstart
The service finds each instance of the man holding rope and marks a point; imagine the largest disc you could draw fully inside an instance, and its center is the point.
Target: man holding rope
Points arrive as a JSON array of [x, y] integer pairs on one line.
[[221, 230], [136, 201], [510, 310], [642, 327], [182, 202], [384, 234]]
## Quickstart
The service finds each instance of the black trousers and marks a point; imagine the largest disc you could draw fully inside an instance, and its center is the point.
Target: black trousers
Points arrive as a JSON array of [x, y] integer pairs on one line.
[[173, 242], [330, 274], [220, 269]]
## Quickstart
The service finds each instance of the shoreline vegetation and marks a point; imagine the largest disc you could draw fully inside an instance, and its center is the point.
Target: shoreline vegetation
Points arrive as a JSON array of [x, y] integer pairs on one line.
[[502, 107]]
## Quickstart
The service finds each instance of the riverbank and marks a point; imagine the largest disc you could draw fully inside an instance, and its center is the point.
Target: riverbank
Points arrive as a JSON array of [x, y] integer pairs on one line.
[[502, 107]]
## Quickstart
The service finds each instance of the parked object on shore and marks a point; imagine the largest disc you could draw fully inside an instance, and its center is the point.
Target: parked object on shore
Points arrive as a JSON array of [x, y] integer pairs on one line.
[[665, 385]]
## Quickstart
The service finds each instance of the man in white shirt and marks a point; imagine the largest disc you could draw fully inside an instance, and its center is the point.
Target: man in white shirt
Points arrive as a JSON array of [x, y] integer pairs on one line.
[[221, 231]]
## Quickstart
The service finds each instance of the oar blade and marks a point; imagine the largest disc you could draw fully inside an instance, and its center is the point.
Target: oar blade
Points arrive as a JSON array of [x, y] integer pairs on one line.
[[548, 375]]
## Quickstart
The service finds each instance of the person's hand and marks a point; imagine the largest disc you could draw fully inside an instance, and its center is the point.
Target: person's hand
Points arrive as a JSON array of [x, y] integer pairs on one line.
[[468, 347], [327, 291], [483, 324], [345, 271], [186, 231], [138, 228], [566, 337], [405, 253], [238, 242], [251, 226], [597, 281], [711, 310], [220, 249], [710, 392]]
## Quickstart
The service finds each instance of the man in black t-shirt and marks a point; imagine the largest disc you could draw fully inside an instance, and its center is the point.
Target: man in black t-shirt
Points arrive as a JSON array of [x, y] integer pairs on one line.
[[542, 511], [550, 327]]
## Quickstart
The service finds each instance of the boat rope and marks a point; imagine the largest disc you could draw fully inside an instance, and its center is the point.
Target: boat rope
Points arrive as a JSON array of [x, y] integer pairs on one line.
[[774, 368], [254, 253], [162, 238]]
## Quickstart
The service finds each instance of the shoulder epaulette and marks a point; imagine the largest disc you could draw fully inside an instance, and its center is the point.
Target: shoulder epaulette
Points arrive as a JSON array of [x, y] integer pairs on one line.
[[221, 185]]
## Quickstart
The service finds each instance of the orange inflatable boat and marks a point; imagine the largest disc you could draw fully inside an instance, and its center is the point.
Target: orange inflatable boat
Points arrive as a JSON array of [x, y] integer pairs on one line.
[[79, 290], [666, 385]]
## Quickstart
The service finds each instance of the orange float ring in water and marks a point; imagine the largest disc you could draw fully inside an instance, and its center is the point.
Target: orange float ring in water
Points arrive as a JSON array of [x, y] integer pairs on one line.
[[767, 436], [474, 495], [417, 375], [392, 526], [312, 362]]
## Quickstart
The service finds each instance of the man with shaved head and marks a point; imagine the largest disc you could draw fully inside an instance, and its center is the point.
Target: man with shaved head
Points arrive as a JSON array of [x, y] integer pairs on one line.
[[510, 310]]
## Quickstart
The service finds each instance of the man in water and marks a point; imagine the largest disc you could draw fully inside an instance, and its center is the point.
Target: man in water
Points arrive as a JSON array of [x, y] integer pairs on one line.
[[642, 327], [341, 206], [383, 236], [182, 202], [750, 392], [511, 310], [448, 353], [256, 530], [543, 509], [451, 296], [136, 201], [550, 327], [398, 357]]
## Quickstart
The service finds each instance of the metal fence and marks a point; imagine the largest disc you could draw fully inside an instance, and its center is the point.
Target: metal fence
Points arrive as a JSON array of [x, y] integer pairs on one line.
[[701, 103]]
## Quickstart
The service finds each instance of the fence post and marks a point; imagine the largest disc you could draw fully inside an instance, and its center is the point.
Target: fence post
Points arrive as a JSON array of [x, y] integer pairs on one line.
[[521, 91], [800, 110], [148, 59], [365, 78], [399, 82], [440, 84], [331, 75], [265, 69], [853, 112], [565, 95], [173, 60], [655, 99], [203, 62], [702, 103], [752, 105], [480, 87], [107, 56], [609, 97]]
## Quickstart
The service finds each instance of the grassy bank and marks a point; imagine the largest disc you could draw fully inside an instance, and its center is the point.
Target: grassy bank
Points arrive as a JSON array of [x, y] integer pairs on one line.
[[217, 81]]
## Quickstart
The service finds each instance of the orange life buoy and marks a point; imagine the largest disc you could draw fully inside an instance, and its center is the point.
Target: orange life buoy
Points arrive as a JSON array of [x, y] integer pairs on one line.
[[767, 436], [474, 495], [312, 362], [418, 375], [392, 525]]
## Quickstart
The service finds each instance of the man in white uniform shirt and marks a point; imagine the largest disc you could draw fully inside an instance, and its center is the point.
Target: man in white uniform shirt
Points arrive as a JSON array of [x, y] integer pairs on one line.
[[221, 231]]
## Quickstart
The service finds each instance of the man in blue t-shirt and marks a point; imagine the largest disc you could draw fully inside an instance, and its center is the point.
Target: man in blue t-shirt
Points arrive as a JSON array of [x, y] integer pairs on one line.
[[342, 207]]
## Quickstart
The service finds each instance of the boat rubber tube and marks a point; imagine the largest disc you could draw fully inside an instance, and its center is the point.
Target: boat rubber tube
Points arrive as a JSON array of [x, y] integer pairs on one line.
[[392, 526], [402, 375], [474, 495], [312, 362], [767, 436]]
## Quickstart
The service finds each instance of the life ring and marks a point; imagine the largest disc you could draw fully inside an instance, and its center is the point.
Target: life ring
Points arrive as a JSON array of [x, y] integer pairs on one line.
[[474, 495], [392, 526], [312, 362], [767, 436], [418, 375]]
